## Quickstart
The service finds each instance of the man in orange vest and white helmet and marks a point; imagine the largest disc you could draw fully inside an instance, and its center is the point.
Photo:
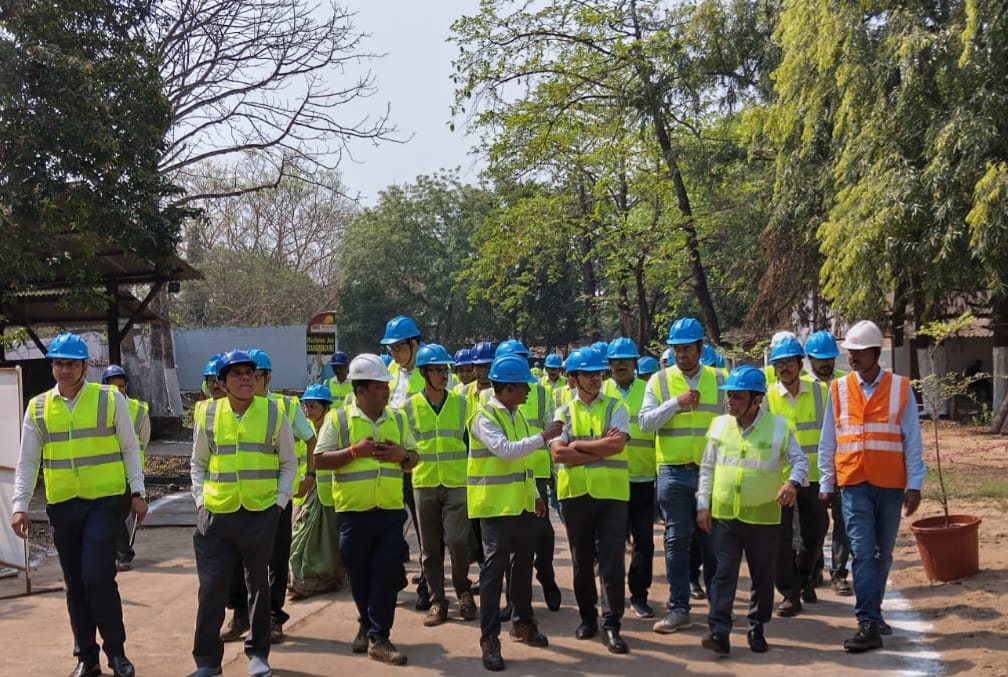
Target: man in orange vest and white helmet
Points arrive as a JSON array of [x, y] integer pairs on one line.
[[871, 449]]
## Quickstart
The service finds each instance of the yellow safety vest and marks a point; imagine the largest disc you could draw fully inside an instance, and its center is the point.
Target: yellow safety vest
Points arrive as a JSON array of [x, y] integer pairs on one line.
[[641, 445], [367, 483], [244, 466], [323, 479], [288, 408], [562, 396], [604, 478], [683, 437], [747, 470], [340, 392], [534, 410], [81, 455], [497, 487], [475, 396], [138, 409], [805, 416], [440, 439], [416, 380]]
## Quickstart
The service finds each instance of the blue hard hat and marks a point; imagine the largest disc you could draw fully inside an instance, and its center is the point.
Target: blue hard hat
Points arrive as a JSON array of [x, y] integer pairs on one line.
[[708, 356], [785, 348], [211, 366], [511, 369], [622, 348], [822, 346], [261, 359], [585, 359], [233, 358], [601, 347], [483, 353], [112, 371], [317, 391], [511, 347], [554, 361], [462, 356], [339, 358], [684, 330], [745, 378], [67, 347], [399, 328], [432, 353], [647, 365], [386, 358]]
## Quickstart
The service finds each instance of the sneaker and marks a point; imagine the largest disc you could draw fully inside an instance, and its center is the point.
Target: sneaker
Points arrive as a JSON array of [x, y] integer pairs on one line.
[[258, 667], [467, 606], [675, 620], [789, 607], [385, 651], [842, 587], [757, 640], [867, 638], [360, 642], [884, 628], [717, 642], [808, 595], [492, 659], [235, 629], [641, 608], [276, 631], [527, 632], [697, 592], [437, 615], [124, 565]]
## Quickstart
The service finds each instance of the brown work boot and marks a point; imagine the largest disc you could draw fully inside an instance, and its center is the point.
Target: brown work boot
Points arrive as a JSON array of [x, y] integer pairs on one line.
[[467, 606], [385, 651], [528, 632], [235, 629], [437, 615], [360, 642], [492, 659]]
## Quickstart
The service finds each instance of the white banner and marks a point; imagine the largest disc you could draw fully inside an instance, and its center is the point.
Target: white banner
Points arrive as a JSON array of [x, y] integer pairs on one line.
[[11, 547]]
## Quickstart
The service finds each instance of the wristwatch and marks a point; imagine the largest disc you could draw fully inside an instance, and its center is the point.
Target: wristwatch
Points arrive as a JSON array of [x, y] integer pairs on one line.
[[137, 494], [795, 484]]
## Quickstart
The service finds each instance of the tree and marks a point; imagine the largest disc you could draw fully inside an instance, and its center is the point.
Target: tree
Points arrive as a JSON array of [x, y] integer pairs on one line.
[[262, 78], [82, 127]]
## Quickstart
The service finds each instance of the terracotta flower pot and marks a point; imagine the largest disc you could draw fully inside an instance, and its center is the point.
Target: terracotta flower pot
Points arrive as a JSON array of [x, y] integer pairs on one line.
[[948, 552]]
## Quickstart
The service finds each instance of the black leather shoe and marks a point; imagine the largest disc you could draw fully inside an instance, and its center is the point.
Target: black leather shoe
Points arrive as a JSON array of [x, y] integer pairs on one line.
[[586, 630], [808, 595], [552, 596], [86, 670], [492, 659], [757, 642], [867, 638], [121, 666], [615, 642], [789, 607], [717, 643]]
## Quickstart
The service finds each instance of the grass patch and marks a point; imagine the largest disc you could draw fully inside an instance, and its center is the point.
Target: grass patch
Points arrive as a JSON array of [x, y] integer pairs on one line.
[[966, 484]]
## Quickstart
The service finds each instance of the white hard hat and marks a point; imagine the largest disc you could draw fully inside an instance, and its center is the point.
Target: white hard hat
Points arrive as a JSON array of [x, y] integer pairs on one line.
[[781, 336], [864, 334], [368, 367], [666, 354]]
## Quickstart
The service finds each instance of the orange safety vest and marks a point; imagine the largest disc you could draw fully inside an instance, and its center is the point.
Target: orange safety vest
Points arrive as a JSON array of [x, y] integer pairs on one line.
[[868, 434]]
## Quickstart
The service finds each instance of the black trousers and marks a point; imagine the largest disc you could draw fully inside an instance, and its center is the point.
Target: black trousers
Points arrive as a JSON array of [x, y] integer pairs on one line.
[[220, 541], [508, 544], [84, 533], [595, 529], [124, 550], [732, 539], [640, 527], [544, 540], [279, 570], [794, 573], [371, 547]]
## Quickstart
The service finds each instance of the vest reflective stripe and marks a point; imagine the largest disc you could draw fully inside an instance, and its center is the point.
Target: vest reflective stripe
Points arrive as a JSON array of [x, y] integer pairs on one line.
[[367, 483], [323, 479], [340, 392], [440, 439], [414, 385], [244, 462], [496, 487], [138, 410], [868, 432], [806, 416], [683, 437], [747, 470], [641, 445], [81, 456], [290, 406], [605, 478], [534, 410], [562, 396]]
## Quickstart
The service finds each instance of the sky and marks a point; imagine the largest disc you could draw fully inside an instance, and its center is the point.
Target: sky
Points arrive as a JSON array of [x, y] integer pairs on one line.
[[414, 79]]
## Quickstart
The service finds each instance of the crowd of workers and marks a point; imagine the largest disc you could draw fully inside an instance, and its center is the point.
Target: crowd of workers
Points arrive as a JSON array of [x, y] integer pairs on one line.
[[474, 449]]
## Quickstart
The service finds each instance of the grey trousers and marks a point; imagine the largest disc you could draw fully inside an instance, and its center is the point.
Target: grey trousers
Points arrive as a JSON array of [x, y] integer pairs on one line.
[[443, 521]]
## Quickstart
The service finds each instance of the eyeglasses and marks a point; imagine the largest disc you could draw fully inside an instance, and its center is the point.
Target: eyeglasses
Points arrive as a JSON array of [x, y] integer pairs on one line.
[[397, 346], [441, 370]]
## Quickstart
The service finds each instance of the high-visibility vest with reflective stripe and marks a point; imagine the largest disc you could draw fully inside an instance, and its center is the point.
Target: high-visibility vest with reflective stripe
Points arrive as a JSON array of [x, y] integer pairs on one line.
[[562, 396], [496, 487], [747, 470], [683, 437], [550, 386], [475, 396], [244, 466], [605, 478], [868, 434], [440, 439], [81, 456], [138, 409], [415, 384], [323, 479], [534, 409], [366, 483], [806, 416], [288, 407], [641, 445], [340, 392]]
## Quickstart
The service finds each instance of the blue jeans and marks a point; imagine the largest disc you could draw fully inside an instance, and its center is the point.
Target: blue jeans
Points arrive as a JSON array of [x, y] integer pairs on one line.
[[677, 487], [872, 517]]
